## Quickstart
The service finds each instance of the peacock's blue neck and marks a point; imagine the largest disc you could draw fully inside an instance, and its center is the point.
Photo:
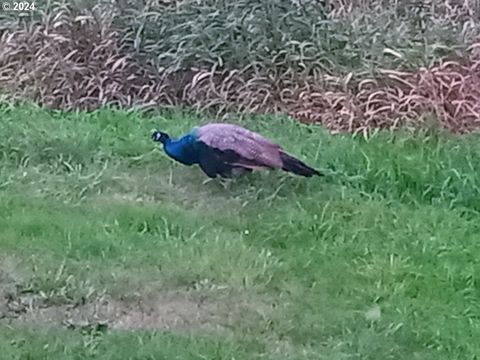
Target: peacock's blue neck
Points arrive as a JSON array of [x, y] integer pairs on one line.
[[182, 149]]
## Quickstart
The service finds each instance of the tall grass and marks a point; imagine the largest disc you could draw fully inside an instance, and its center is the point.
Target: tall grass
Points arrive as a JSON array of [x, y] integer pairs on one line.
[[336, 63]]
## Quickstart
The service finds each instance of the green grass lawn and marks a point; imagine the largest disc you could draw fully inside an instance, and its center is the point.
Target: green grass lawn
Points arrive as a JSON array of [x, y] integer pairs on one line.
[[377, 260]]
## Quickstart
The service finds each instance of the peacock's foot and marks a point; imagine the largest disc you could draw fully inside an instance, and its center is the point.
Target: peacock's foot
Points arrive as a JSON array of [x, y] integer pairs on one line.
[[206, 181]]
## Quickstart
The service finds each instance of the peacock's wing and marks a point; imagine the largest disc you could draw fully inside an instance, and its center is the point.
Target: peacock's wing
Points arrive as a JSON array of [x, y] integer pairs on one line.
[[215, 162], [239, 146]]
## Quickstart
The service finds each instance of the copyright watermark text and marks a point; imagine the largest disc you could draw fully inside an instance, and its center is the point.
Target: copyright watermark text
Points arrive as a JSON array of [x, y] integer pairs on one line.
[[18, 6]]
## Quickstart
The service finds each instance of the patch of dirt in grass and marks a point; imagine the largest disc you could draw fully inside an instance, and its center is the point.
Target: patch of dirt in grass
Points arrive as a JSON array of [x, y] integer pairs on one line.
[[147, 309], [182, 310], [9, 276]]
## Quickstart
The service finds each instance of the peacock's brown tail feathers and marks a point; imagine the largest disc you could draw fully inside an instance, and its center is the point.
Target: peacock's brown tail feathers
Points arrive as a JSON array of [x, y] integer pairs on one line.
[[296, 166]]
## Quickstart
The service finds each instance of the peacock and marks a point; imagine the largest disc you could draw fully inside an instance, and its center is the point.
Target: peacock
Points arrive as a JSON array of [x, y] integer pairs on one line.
[[228, 150]]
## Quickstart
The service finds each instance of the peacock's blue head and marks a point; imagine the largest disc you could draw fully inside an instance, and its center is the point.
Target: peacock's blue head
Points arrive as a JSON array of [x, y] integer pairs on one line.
[[160, 136]]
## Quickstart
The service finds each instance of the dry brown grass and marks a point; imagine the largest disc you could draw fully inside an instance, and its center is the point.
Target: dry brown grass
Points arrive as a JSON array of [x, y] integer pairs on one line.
[[68, 58], [75, 62], [450, 91]]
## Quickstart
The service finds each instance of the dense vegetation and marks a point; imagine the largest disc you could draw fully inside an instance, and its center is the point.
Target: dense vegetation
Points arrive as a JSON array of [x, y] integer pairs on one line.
[[347, 65]]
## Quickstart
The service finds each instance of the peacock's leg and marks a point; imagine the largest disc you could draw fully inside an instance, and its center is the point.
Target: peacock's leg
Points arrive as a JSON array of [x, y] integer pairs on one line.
[[206, 181], [226, 183]]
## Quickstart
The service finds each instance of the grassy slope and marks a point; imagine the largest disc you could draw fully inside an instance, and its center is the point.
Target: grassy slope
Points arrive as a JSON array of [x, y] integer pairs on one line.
[[91, 204]]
